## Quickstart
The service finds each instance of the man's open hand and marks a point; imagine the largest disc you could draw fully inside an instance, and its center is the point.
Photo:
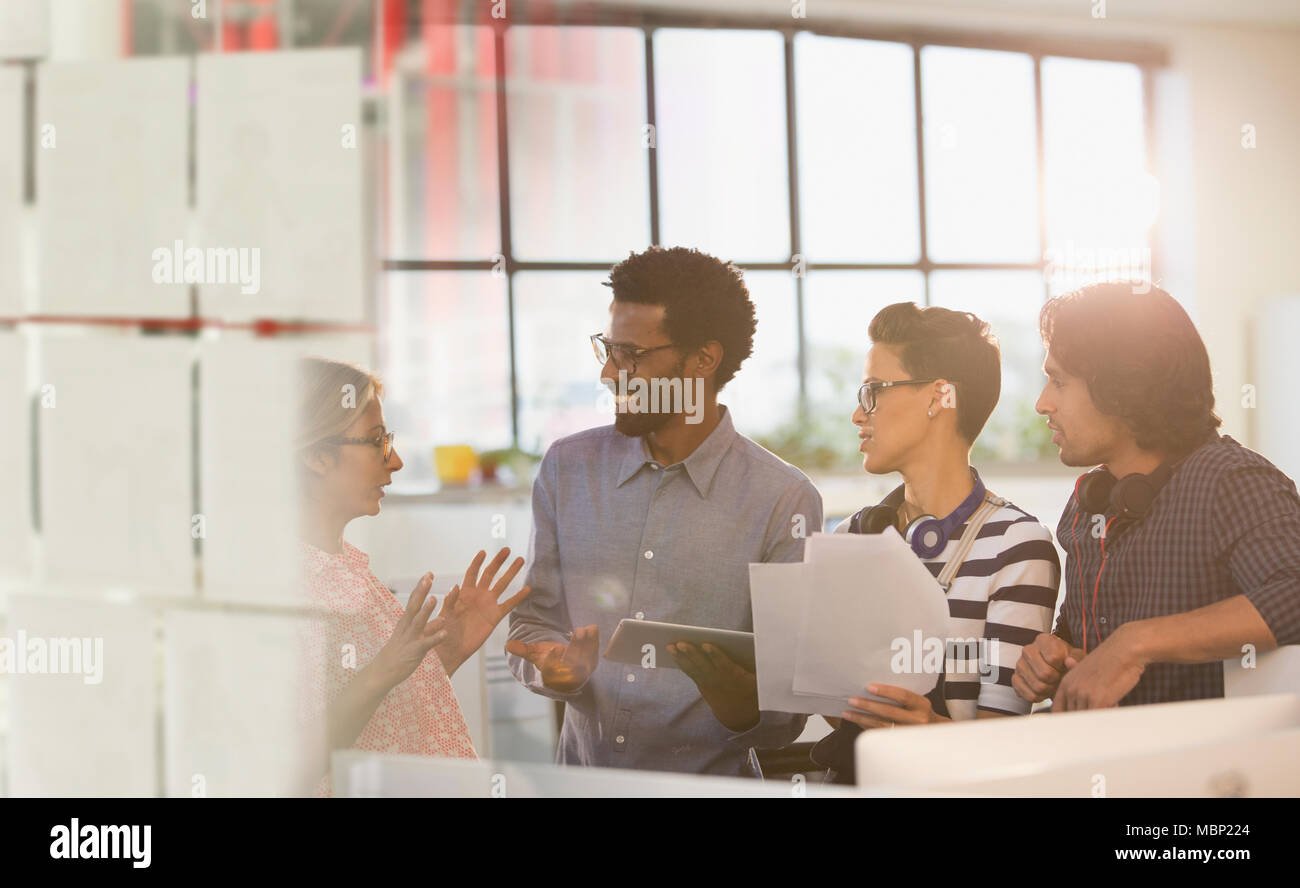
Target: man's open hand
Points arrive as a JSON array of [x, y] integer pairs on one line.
[[564, 667]]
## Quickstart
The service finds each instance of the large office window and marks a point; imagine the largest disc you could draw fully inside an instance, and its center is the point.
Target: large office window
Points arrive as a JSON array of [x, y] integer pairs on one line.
[[515, 163], [841, 173]]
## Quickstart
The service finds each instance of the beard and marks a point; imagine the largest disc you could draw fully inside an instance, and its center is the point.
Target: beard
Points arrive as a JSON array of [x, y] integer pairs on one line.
[[638, 425]]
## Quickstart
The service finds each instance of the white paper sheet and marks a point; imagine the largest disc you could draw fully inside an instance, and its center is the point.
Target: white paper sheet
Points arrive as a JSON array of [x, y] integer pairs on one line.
[[15, 461], [277, 173], [110, 152], [232, 723], [25, 29], [11, 190], [777, 593], [116, 462], [81, 717], [866, 593]]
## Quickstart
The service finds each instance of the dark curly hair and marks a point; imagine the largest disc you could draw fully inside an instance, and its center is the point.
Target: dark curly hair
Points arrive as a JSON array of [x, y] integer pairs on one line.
[[1141, 357], [703, 297], [939, 343]]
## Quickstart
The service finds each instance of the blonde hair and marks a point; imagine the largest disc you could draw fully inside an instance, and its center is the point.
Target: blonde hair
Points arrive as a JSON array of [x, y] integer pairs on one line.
[[332, 394]]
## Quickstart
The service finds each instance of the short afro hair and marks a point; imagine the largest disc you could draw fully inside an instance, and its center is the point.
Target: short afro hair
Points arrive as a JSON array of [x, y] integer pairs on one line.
[[703, 297]]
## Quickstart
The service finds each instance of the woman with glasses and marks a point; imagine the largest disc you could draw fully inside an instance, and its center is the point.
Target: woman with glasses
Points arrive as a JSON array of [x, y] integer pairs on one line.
[[385, 685], [931, 380]]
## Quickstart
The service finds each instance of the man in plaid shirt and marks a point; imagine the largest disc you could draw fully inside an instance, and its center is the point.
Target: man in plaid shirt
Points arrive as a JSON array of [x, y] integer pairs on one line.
[[1153, 605]]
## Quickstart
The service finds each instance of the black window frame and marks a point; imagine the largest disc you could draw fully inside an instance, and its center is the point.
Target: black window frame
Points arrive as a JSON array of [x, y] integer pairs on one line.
[[1147, 57]]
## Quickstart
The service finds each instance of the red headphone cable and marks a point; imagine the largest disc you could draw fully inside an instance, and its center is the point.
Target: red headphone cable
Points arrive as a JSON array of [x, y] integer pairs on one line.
[[1097, 585]]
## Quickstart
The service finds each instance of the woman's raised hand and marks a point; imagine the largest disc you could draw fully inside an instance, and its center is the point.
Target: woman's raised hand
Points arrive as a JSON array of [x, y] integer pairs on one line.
[[413, 637], [471, 610]]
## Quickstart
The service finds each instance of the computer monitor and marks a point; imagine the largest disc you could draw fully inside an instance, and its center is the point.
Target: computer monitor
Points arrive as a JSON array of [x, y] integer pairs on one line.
[[372, 775], [971, 752], [1240, 767]]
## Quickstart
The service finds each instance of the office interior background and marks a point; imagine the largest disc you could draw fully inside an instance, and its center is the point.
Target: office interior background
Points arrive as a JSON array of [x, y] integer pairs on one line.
[[437, 188]]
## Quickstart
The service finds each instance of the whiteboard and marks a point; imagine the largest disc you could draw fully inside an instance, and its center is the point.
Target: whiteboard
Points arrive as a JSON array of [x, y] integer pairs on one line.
[[11, 190], [68, 737], [110, 146], [274, 175], [116, 462]]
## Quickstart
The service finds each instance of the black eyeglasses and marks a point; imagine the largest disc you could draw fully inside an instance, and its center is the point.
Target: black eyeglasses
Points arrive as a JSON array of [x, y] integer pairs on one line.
[[383, 442], [867, 393], [625, 356]]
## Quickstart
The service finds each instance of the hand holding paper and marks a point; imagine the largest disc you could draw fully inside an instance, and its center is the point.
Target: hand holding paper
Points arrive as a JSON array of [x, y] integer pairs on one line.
[[828, 627]]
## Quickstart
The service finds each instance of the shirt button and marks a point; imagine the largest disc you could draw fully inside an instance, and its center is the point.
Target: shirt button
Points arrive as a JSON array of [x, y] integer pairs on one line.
[[654, 466], [640, 615], [619, 739], [1101, 620], [631, 677], [649, 554]]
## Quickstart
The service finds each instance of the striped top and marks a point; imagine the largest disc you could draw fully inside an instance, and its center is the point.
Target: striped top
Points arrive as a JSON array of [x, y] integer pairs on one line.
[[1002, 598]]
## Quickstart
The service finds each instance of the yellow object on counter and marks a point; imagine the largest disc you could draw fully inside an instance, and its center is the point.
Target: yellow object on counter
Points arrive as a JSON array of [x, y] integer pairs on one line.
[[455, 463]]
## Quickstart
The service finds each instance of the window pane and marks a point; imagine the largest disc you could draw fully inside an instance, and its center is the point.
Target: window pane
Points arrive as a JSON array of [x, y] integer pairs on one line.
[[579, 164], [720, 107], [445, 361], [334, 23], [764, 394], [1009, 301], [981, 156], [838, 308], [559, 380], [159, 27], [857, 150], [1100, 200], [442, 189]]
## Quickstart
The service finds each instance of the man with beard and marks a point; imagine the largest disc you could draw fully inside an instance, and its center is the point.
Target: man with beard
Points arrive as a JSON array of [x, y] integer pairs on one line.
[[657, 517]]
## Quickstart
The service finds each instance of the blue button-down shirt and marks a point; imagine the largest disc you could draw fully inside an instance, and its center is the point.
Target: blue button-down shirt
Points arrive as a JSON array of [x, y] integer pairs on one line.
[[617, 535]]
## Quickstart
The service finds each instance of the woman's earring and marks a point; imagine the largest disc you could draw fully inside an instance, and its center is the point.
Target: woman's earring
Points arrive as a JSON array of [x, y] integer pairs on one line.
[[929, 413]]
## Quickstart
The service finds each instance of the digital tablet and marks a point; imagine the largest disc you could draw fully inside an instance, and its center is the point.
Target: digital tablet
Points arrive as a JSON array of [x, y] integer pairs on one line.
[[631, 637]]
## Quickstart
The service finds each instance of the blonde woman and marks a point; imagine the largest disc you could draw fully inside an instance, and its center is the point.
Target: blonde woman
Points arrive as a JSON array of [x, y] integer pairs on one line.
[[390, 690]]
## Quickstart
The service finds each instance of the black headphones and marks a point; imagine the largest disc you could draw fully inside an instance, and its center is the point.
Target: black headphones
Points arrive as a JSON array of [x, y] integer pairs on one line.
[[927, 535], [1129, 498]]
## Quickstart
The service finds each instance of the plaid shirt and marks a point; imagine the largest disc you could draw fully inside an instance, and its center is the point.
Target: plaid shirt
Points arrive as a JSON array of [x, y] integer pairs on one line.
[[1226, 524]]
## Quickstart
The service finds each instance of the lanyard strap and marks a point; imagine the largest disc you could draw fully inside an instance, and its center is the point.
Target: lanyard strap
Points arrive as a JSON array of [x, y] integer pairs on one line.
[[992, 502]]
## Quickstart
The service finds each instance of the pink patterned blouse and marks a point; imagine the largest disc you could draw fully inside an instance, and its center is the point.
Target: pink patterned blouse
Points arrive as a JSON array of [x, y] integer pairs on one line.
[[421, 715]]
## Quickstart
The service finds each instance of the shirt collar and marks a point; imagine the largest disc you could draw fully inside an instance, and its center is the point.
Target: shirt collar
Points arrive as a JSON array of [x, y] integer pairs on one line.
[[701, 466]]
